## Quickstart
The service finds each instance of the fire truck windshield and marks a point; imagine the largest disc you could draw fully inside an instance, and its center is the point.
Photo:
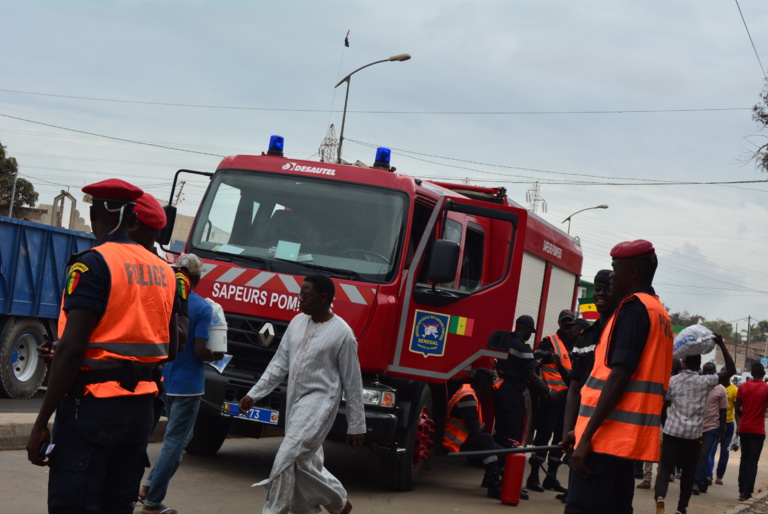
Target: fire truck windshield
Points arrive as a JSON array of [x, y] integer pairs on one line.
[[292, 224]]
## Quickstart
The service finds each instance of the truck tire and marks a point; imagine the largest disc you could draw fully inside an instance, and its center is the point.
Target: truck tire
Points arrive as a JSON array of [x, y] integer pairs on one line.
[[21, 370], [401, 472], [208, 434]]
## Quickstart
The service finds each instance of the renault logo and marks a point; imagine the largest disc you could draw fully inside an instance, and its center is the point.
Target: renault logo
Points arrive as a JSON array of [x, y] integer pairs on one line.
[[266, 334]]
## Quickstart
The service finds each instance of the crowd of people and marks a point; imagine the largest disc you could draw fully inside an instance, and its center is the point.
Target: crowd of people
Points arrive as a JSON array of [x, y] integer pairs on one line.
[[607, 395], [612, 396]]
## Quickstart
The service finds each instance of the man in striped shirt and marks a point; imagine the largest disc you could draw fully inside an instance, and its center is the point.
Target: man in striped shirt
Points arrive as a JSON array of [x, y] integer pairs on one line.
[[683, 417]]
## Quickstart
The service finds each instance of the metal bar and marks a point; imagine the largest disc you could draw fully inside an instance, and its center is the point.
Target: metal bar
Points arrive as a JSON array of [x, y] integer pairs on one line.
[[504, 451]]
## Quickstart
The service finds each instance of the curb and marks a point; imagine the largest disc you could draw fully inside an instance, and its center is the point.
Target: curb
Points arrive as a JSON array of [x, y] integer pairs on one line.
[[13, 436], [749, 503]]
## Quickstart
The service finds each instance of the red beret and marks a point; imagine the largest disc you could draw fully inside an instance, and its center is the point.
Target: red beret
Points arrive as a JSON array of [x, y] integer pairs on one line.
[[149, 212], [630, 249], [115, 190]]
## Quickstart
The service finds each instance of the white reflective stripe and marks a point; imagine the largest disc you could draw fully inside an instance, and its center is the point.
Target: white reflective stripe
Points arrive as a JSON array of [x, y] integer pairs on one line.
[[488, 460], [290, 283], [521, 355], [207, 268], [260, 279], [230, 275], [467, 403], [586, 349], [354, 294]]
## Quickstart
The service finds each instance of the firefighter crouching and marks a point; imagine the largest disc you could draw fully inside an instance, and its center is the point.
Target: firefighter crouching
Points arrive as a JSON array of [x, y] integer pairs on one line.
[[464, 426], [117, 322]]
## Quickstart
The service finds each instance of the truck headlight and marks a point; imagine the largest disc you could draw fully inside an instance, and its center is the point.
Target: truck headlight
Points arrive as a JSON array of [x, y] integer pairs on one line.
[[378, 397]]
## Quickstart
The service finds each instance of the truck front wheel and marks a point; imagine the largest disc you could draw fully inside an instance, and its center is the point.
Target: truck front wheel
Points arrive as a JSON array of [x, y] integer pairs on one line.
[[208, 434], [402, 471], [21, 370]]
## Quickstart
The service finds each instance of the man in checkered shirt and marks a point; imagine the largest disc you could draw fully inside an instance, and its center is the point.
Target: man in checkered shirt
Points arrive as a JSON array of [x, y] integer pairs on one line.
[[684, 412]]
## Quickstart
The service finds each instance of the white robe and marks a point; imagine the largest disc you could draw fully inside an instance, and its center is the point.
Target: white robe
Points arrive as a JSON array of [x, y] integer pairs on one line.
[[320, 360]]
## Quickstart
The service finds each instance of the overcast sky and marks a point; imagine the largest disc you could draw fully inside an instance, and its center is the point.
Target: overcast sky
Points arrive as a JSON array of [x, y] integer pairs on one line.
[[498, 93]]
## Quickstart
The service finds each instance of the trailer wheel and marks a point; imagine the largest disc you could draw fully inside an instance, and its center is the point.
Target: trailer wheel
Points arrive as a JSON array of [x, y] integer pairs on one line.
[[401, 472], [21, 370], [208, 434]]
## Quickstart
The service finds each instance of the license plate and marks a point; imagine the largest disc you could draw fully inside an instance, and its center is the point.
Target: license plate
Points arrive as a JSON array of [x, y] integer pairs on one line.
[[267, 416]]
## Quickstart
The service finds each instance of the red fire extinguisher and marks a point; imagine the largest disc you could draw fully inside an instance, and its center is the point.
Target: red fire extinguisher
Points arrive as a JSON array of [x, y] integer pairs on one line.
[[512, 484]]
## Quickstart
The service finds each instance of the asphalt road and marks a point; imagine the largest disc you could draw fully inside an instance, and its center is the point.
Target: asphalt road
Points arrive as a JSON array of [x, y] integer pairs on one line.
[[222, 484]]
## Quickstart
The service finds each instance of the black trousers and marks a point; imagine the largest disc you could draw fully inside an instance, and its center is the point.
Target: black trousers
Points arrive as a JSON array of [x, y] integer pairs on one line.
[[608, 489], [751, 448], [549, 427], [509, 405], [483, 441], [100, 454], [683, 453]]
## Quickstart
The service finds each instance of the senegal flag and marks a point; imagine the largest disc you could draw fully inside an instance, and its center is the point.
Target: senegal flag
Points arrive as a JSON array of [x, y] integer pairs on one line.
[[588, 309], [461, 326]]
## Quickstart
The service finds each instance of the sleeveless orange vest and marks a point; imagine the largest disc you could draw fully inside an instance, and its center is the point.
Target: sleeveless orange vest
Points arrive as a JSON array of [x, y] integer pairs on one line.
[[456, 431], [549, 372], [631, 430], [134, 325]]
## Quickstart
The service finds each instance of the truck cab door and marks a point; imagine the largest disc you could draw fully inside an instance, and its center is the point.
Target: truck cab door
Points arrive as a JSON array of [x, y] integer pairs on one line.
[[463, 289]]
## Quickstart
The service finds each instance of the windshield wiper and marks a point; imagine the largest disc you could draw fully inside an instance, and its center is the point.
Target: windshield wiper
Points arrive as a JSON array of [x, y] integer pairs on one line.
[[335, 272], [231, 257]]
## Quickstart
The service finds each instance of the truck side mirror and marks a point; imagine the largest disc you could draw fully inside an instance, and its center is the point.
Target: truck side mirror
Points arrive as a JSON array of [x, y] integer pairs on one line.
[[444, 261], [164, 236]]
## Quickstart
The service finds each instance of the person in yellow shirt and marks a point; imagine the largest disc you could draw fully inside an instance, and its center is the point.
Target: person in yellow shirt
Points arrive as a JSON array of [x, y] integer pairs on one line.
[[727, 437]]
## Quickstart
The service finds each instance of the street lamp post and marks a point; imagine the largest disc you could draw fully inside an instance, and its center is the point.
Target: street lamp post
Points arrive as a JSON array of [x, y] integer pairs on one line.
[[394, 58], [568, 219]]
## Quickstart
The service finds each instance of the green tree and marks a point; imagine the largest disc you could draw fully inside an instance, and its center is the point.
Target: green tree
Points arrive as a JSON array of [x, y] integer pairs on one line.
[[25, 191], [721, 327], [760, 115]]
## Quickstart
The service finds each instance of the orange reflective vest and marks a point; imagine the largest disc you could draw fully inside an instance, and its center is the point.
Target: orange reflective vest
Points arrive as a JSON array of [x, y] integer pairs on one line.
[[631, 430], [549, 372], [456, 431], [135, 323]]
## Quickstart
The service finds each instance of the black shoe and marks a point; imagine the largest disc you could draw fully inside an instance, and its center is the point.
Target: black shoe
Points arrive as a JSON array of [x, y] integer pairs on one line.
[[562, 497], [494, 492], [523, 494], [534, 486], [554, 484], [489, 479]]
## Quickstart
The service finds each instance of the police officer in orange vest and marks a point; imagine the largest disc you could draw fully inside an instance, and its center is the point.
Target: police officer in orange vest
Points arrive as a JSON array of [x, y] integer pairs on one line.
[[117, 323], [548, 417], [464, 426], [621, 400]]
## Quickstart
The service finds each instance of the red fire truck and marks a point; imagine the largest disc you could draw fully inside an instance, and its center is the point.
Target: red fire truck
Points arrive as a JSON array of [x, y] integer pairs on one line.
[[424, 273]]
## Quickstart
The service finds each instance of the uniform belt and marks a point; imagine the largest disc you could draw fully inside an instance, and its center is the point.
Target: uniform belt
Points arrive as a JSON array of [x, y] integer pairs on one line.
[[128, 374]]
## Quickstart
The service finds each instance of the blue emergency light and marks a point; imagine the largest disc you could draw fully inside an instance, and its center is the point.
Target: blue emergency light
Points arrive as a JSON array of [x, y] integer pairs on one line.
[[383, 156], [276, 146]]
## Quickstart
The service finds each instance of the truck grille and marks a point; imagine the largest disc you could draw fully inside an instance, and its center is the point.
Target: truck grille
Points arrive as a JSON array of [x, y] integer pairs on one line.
[[250, 356]]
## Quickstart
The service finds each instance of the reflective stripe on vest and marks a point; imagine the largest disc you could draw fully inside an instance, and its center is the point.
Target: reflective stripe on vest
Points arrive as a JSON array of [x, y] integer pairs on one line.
[[632, 429], [134, 325], [549, 372], [456, 431]]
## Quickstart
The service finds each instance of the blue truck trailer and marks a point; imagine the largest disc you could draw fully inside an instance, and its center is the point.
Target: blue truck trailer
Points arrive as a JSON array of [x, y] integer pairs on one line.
[[33, 260]]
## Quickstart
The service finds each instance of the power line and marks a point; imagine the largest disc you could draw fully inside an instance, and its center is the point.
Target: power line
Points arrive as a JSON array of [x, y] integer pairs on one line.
[[644, 182], [750, 40], [108, 137], [454, 113]]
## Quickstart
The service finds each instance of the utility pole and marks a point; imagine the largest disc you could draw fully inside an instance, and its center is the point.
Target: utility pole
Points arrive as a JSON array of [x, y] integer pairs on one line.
[[178, 195], [533, 198], [13, 194], [746, 351]]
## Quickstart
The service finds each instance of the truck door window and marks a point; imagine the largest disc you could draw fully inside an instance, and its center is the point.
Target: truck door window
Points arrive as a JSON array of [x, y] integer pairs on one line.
[[453, 232], [471, 277]]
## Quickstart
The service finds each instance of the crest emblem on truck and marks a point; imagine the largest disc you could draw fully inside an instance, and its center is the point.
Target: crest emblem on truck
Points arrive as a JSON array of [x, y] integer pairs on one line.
[[266, 334]]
